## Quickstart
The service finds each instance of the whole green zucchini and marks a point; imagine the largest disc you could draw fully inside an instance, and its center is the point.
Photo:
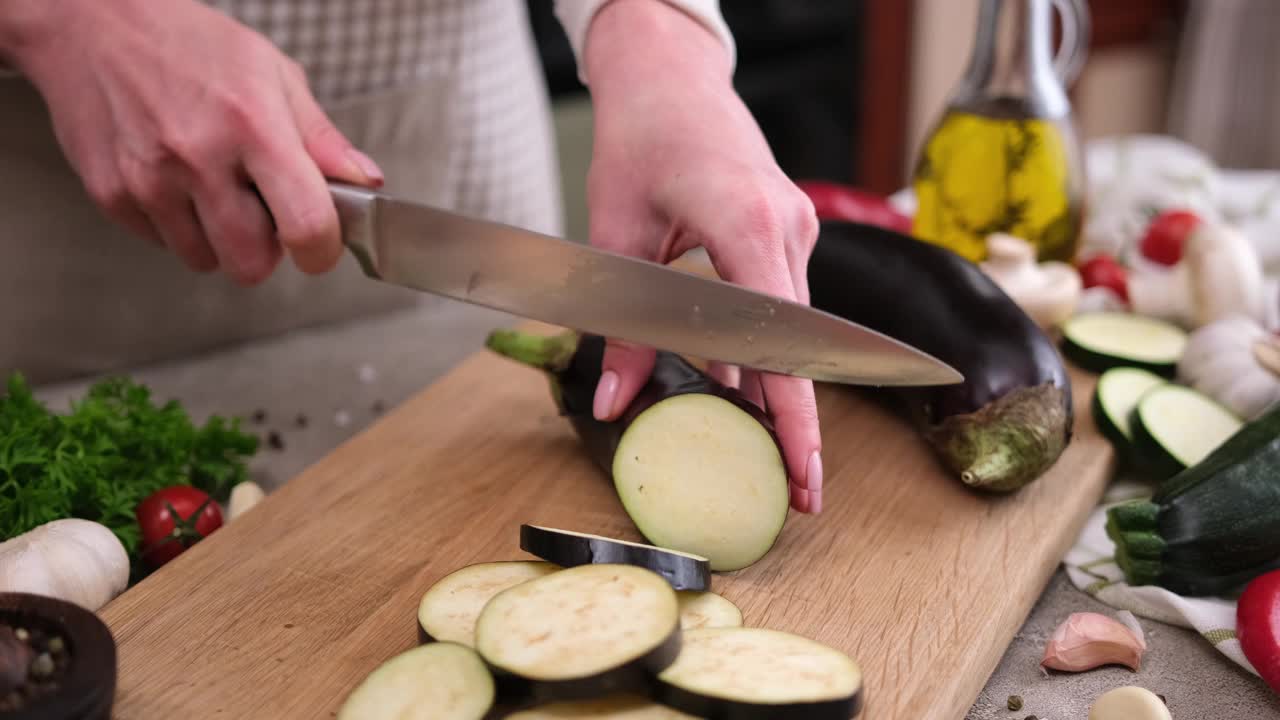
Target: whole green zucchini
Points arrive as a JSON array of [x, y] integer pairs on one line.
[[1213, 527]]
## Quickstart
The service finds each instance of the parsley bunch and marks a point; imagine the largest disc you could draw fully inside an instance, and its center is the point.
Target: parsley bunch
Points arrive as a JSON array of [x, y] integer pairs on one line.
[[113, 449]]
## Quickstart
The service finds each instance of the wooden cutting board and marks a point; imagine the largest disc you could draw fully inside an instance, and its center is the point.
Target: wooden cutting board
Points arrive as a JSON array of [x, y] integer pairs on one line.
[[282, 612]]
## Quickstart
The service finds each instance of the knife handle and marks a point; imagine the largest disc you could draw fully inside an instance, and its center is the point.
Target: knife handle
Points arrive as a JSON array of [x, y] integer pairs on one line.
[[356, 208]]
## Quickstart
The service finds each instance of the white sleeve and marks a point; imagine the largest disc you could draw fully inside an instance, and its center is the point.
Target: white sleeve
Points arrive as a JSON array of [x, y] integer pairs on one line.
[[576, 15]]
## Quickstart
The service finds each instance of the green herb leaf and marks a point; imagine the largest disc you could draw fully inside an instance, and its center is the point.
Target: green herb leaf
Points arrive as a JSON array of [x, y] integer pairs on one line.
[[113, 449]]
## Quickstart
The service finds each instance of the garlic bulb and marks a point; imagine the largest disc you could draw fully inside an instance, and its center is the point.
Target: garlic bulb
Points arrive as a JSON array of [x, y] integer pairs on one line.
[[1236, 362], [1047, 292], [76, 560]]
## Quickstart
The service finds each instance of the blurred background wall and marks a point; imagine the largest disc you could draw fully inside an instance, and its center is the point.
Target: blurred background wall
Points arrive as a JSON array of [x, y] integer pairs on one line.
[[846, 89]]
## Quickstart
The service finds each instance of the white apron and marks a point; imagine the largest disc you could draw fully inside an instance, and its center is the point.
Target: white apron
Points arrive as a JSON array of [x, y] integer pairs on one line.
[[446, 96]]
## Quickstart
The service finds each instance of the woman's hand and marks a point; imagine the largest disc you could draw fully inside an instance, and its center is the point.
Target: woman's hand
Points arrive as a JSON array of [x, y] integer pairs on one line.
[[171, 111], [679, 162]]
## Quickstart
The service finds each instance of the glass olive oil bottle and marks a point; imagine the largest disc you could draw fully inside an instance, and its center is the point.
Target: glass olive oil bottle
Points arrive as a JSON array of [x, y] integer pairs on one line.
[[1005, 156]]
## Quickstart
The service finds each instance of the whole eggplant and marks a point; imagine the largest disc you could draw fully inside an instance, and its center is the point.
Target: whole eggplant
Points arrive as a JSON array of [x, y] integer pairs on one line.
[[1012, 417]]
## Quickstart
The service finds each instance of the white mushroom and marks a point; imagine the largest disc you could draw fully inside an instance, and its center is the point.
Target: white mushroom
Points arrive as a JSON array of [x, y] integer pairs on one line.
[[1219, 276], [1048, 292]]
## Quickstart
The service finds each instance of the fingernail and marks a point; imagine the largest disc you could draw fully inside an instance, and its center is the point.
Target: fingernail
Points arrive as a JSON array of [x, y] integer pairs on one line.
[[815, 501], [606, 392], [366, 166], [813, 472]]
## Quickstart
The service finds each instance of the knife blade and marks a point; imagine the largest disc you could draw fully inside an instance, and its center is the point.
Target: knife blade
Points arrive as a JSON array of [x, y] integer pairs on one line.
[[575, 285]]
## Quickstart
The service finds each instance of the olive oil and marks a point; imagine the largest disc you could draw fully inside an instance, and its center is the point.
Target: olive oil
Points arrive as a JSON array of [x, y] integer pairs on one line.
[[1005, 156], [999, 172]]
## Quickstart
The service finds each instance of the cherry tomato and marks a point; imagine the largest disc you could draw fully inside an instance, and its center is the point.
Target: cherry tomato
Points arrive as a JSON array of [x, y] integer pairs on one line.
[[173, 519], [832, 201], [1102, 270], [1258, 626], [1167, 235]]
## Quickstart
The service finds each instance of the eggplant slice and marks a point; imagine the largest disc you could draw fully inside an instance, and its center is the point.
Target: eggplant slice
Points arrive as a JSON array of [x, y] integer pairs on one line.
[[707, 609], [621, 707], [750, 673], [698, 473], [449, 609], [580, 633], [440, 681], [566, 548]]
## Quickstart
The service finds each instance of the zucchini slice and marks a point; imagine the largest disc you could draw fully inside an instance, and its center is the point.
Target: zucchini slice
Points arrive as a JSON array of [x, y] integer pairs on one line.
[[1099, 341], [449, 608], [1114, 399], [440, 681], [1175, 427], [566, 548], [734, 673], [707, 609], [700, 474], [583, 632], [622, 707]]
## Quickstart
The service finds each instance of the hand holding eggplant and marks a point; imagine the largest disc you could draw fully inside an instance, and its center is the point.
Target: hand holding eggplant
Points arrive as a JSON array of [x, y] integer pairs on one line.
[[678, 165]]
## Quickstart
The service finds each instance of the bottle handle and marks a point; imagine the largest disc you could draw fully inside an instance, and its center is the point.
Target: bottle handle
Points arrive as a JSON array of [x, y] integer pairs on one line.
[[1075, 39]]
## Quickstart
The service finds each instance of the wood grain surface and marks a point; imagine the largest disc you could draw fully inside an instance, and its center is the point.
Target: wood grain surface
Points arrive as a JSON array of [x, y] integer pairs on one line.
[[281, 613]]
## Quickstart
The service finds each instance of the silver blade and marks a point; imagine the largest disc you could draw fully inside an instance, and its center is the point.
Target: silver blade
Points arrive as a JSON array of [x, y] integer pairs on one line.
[[590, 290]]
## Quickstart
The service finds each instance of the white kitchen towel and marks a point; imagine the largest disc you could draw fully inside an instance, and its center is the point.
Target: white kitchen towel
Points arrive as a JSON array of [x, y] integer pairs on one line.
[[1092, 568]]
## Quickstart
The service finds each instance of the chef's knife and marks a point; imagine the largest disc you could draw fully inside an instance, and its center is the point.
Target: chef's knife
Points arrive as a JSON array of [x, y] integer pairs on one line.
[[577, 286]]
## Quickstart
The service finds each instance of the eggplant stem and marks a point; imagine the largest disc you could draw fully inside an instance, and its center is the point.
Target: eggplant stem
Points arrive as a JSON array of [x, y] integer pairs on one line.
[[550, 353]]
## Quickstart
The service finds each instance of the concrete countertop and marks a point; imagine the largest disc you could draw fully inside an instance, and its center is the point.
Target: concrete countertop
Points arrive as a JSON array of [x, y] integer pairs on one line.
[[340, 378]]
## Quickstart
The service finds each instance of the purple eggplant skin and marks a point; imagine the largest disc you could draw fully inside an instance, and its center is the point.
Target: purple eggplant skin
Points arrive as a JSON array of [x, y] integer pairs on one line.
[[1012, 417], [573, 363]]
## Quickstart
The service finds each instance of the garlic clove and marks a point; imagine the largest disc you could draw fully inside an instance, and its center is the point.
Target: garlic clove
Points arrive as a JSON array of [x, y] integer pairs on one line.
[[243, 497], [1088, 640], [1129, 703]]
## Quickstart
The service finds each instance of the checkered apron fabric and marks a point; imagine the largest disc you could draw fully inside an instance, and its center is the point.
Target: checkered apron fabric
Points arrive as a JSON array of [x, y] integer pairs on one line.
[[502, 165]]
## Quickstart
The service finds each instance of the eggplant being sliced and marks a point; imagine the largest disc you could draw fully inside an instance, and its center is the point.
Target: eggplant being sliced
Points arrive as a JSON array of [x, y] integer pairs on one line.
[[750, 673], [621, 707], [566, 548], [580, 633], [1176, 427], [696, 465], [1099, 341], [1011, 418], [449, 609], [707, 609], [440, 681]]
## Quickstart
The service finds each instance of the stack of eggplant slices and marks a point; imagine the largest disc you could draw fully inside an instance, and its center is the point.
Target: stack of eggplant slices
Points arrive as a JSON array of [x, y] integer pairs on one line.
[[599, 628]]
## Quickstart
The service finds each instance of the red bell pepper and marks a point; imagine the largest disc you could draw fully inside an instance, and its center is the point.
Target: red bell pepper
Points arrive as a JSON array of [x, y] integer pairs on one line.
[[833, 201], [1258, 626]]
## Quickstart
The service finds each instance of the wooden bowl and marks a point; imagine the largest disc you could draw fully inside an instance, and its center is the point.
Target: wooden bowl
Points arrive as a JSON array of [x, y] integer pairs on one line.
[[87, 689]]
